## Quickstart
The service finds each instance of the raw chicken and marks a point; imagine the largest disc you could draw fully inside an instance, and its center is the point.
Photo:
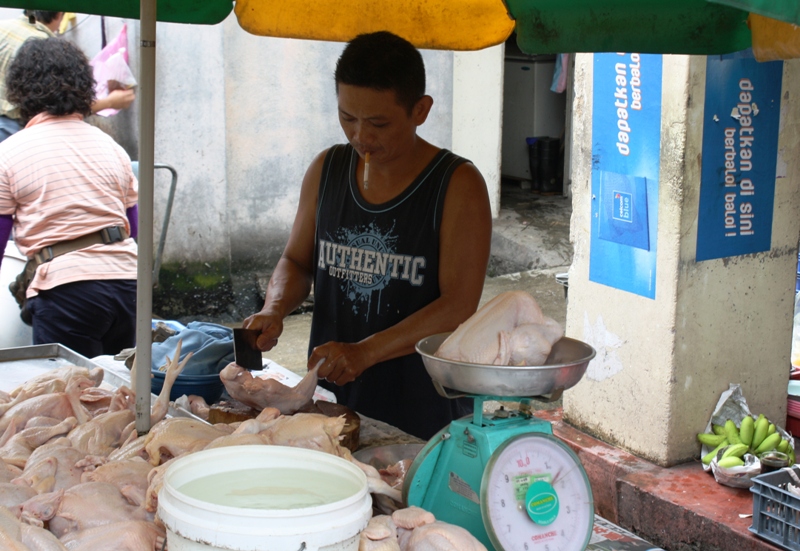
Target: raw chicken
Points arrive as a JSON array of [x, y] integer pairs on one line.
[[96, 400], [125, 398], [13, 496], [59, 405], [379, 535], [10, 532], [510, 329], [415, 529], [134, 448], [394, 475], [20, 446], [103, 434], [199, 407], [241, 439], [412, 517], [312, 431], [177, 436], [39, 539], [129, 476], [8, 472], [83, 506], [54, 467], [156, 481], [439, 536], [50, 381], [128, 535], [259, 393], [109, 431]]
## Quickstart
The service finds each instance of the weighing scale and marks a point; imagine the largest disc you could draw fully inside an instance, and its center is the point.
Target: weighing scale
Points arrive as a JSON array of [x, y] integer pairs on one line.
[[504, 476]]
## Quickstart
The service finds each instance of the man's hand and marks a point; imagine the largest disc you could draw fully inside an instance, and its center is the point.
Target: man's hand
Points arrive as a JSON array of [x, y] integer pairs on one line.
[[116, 99], [271, 327], [343, 362]]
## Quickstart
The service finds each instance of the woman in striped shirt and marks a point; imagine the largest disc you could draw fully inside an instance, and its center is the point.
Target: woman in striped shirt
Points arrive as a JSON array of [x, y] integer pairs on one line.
[[65, 184]]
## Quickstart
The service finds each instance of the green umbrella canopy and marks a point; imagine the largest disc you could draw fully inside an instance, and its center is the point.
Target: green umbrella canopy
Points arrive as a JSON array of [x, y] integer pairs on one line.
[[207, 12], [645, 26]]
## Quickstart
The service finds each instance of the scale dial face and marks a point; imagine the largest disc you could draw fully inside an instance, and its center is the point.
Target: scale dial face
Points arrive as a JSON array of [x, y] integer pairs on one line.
[[556, 515]]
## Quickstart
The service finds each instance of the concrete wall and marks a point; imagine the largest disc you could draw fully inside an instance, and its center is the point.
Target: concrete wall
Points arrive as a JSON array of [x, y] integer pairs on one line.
[[661, 364]]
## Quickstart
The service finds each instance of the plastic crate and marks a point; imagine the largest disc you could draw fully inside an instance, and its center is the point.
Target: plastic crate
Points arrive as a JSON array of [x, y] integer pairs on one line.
[[776, 512]]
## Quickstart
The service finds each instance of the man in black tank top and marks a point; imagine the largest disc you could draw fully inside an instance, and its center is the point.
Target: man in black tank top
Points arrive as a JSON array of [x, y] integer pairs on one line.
[[394, 233]]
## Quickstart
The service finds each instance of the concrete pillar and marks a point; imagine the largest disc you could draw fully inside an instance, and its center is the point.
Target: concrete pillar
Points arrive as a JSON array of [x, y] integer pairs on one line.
[[478, 113], [679, 309]]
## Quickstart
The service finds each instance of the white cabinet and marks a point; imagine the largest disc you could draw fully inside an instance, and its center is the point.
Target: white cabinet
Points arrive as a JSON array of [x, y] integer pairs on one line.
[[530, 109]]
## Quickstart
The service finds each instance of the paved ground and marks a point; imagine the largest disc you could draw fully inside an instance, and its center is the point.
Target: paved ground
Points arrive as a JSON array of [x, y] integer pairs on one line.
[[530, 245]]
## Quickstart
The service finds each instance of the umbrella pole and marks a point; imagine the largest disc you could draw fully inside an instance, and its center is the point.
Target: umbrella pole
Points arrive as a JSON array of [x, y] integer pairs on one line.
[[144, 289]]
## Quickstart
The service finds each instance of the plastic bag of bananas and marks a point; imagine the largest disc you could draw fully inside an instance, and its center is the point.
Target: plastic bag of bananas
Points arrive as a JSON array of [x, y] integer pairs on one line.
[[735, 438]]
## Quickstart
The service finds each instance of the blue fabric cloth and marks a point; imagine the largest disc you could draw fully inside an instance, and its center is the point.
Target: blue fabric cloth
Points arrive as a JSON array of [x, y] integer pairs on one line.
[[212, 345]]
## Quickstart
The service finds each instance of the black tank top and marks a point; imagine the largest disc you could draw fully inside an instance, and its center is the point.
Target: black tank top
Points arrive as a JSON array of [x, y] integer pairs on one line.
[[375, 266]]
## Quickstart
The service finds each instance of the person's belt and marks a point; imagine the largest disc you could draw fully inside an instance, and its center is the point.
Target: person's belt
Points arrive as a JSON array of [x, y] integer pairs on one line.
[[112, 234]]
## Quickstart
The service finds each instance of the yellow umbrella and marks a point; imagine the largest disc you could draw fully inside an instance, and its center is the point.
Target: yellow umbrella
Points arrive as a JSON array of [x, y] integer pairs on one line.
[[433, 24]]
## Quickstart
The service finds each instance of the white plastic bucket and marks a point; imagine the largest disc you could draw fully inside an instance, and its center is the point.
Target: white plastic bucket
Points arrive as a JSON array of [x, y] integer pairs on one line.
[[198, 525]]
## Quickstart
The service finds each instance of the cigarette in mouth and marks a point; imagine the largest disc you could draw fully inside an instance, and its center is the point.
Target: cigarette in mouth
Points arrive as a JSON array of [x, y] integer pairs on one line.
[[366, 170]]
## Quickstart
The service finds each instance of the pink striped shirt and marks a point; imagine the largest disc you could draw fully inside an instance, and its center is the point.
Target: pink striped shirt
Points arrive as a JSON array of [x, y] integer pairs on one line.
[[62, 178]]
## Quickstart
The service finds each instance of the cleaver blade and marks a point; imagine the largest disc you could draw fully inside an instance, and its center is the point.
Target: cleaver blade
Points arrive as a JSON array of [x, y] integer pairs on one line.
[[245, 351]]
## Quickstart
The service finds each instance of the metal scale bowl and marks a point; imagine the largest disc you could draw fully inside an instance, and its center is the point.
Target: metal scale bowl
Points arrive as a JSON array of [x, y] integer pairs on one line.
[[504, 476]]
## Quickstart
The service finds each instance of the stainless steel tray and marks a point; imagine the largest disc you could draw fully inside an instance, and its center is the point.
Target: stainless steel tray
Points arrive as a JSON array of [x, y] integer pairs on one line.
[[23, 363], [563, 369]]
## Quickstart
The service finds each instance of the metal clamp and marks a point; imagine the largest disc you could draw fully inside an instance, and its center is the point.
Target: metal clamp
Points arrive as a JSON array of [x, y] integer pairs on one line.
[[112, 234], [45, 255]]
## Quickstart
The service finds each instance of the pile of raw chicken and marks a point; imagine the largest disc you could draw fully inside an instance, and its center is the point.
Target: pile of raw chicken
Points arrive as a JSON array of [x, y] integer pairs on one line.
[[75, 475]]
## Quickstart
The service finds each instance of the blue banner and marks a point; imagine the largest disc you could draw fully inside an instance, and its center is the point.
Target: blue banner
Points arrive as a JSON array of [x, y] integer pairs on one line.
[[740, 151], [626, 139]]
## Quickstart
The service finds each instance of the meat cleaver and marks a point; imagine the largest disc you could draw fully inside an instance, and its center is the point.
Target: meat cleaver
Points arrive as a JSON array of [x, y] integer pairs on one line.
[[245, 352]]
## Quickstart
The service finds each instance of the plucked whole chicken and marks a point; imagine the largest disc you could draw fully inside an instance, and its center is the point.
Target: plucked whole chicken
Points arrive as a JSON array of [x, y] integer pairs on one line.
[[510, 329]]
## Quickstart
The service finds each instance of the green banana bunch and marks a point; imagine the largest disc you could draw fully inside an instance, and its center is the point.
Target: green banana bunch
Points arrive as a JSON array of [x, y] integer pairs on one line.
[[711, 439], [755, 436], [732, 433], [707, 458], [769, 443], [735, 450], [761, 427], [746, 430], [730, 461]]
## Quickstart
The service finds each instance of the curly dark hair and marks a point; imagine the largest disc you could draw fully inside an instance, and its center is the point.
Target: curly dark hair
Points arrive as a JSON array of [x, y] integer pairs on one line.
[[383, 61], [50, 75]]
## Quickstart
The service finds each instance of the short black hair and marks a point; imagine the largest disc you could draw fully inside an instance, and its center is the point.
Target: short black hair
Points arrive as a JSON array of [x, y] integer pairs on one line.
[[42, 16], [383, 61], [50, 75]]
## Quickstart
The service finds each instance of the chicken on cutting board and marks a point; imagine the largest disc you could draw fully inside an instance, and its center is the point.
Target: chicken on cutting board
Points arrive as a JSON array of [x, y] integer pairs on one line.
[[510, 329], [259, 393]]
